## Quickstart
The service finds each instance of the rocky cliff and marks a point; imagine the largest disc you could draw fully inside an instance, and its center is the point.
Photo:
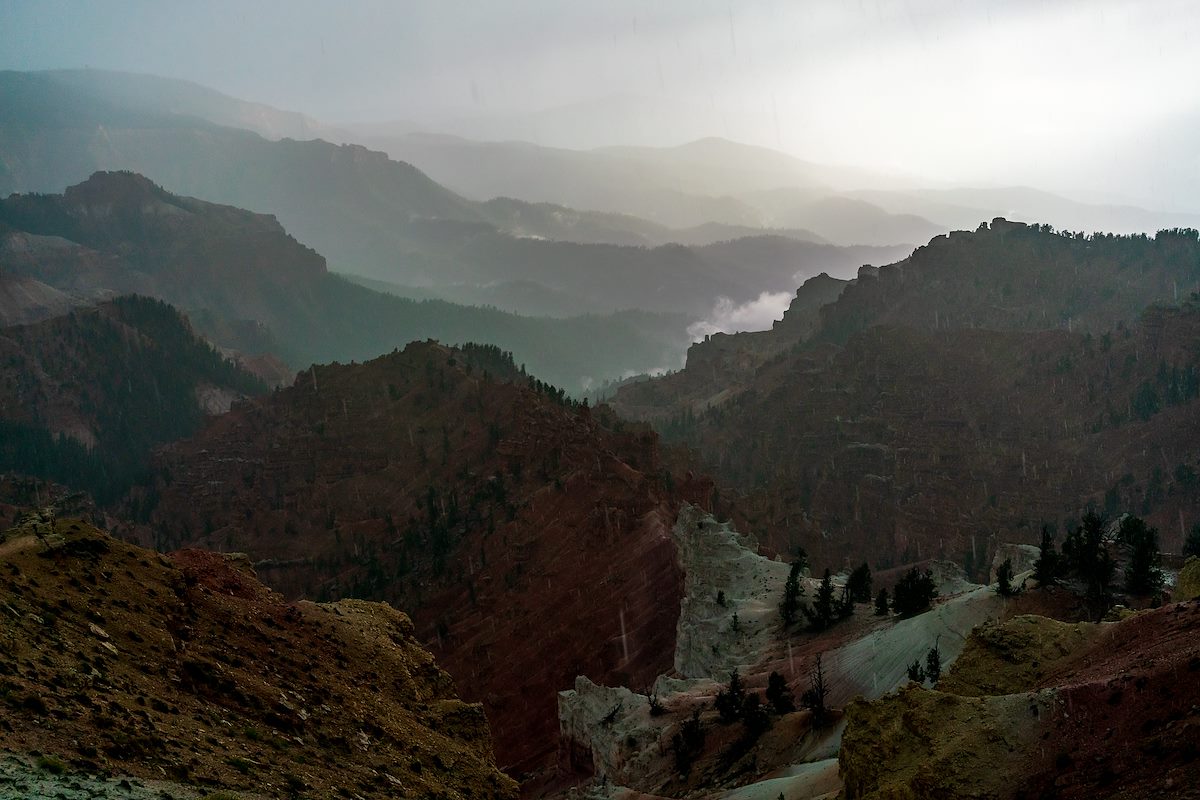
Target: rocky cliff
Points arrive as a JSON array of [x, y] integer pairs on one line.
[[621, 744]]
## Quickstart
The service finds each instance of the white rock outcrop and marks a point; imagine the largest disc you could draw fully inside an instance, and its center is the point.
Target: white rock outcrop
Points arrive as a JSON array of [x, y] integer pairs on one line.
[[729, 610]]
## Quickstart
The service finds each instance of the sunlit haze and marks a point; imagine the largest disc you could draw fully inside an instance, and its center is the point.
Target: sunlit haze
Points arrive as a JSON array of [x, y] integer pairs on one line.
[[1053, 94]]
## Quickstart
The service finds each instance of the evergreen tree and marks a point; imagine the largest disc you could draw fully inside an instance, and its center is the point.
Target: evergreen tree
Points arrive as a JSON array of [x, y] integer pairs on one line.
[[859, 584], [845, 605], [688, 743], [1086, 555], [881, 603], [755, 717], [914, 592], [933, 664], [730, 700], [1004, 576], [1143, 575], [824, 607], [792, 590], [1191, 546], [814, 696], [916, 672], [779, 695], [1048, 565]]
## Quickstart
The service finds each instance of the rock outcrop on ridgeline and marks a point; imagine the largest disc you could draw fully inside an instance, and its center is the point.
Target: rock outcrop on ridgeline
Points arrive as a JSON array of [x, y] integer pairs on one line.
[[528, 536], [185, 669]]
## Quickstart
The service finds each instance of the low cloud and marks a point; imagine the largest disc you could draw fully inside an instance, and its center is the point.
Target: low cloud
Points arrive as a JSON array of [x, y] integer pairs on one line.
[[753, 315]]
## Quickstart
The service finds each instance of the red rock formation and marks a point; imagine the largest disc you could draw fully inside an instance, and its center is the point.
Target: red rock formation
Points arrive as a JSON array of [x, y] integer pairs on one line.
[[529, 538]]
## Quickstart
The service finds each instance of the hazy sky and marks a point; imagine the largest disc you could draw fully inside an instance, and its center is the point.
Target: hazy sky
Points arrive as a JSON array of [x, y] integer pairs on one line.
[[1048, 93]]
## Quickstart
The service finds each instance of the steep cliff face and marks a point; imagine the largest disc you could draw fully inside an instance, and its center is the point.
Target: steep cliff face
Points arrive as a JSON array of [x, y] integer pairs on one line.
[[121, 661], [730, 605], [1035, 707], [528, 537]]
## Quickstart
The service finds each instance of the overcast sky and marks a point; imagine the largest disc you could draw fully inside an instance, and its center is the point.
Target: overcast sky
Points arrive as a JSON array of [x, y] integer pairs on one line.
[[1055, 94]]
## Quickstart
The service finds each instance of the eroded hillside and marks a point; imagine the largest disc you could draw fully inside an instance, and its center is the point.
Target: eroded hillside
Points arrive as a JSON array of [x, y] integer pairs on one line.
[[185, 668]]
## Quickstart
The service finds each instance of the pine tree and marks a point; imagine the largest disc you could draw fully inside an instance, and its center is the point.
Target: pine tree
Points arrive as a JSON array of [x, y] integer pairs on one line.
[[1004, 576], [755, 717], [845, 605], [881, 603], [914, 592], [821, 613], [729, 701], [1191, 546], [779, 695], [859, 584], [814, 696], [1085, 554], [933, 664], [688, 743], [792, 590], [1143, 575], [1048, 565], [916, 672]]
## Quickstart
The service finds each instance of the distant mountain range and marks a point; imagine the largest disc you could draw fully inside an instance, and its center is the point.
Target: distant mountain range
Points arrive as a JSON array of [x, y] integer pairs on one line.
[[719, 181], [707, 182], [250, 287], [368, 214]]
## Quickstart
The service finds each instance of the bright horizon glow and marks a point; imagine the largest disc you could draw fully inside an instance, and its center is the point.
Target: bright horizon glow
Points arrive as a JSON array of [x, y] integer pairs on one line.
[[1000, 92]]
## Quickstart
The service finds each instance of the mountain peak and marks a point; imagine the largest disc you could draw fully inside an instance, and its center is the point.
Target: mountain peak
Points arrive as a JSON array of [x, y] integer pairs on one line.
[[119, 187]]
